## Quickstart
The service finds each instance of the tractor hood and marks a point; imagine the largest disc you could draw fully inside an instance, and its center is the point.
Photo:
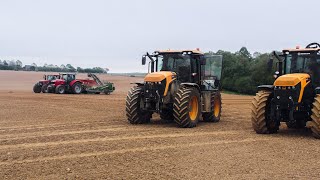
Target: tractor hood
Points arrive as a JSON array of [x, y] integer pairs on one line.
[[159, 76], [291, 79]]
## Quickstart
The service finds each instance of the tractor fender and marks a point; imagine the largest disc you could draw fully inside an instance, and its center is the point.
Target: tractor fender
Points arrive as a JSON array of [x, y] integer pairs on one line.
[[75, 81], [138, 84], [266, 88], [191, 85]]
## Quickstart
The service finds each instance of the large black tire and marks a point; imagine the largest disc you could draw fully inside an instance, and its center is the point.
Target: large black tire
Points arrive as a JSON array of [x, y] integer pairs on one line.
[[261, 113], [37, 88], [133, 111], [314, 124], [77, 88], [51, 89], [187, 107], [216, 105], [44, 88], [167, 115], [60, 89]]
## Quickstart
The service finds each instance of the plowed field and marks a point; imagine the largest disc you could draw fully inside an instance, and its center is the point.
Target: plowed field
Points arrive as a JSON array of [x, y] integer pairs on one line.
[[49, 136]]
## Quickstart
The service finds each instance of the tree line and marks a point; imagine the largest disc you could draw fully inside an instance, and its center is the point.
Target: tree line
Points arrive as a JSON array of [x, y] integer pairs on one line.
[[18, 66], [242, 71]]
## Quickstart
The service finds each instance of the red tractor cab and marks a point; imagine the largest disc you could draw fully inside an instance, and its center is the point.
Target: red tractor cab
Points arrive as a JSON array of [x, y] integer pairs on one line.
[[67, 83], [42, 85]]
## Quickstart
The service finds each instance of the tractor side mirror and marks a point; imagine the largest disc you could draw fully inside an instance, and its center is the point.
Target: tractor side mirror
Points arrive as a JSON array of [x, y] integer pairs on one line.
[[270, 64], [202, 60], [144, 59]]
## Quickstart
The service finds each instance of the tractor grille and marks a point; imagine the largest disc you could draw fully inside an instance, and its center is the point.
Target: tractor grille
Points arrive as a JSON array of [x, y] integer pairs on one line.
[[286, 96], [154, 90]]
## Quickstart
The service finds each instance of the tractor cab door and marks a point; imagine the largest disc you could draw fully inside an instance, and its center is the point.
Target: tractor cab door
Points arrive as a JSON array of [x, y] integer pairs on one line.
[[211, 72]]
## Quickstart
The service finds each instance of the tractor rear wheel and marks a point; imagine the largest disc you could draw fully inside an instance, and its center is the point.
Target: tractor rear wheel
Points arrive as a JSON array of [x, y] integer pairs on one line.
[[37, 88], [167, 115], [60, 89], [261, 114], [44, 88], [314, 125], [186, 107], [134, 103], [214, 115], [77, 88]]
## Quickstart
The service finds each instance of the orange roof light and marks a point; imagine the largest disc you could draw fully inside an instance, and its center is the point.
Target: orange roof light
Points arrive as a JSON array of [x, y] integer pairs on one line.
[[198, 49], [298, 47]]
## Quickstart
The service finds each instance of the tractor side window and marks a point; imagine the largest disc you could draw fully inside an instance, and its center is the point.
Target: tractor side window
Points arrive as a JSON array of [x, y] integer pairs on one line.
[[212, 72], [312, 67], [213, 67], [65, 77]]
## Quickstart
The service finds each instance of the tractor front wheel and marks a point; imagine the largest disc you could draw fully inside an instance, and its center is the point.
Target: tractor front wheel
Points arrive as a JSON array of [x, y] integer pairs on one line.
[[60, 89], [44, 88], [187, 107], [37, 88], [314, 125], [261, 114], [134, 102], [77, 88]]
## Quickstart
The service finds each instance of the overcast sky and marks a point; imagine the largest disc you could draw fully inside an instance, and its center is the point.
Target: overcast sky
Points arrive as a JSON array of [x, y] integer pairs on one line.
[[115, 33]]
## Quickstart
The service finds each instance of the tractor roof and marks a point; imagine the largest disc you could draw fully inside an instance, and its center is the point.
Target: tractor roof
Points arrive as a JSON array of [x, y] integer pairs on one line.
[[67, 73], [302, 50], [179, 51]]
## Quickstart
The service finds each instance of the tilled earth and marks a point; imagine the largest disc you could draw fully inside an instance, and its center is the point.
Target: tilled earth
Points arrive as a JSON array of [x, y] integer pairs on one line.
[[48, 136]]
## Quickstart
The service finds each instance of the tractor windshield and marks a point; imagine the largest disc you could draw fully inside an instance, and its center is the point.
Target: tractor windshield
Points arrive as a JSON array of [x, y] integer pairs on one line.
[[178, 63], [51, 77], [304, 63], [173, 62]]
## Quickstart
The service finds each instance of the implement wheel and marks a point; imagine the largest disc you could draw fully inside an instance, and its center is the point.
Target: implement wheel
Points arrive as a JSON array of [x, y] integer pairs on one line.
[[134, 113], [186, 107], [261, 114]]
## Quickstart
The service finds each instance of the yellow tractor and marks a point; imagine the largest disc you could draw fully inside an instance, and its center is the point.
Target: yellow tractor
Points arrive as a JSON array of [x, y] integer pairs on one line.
[[294, 97], [181, 86]]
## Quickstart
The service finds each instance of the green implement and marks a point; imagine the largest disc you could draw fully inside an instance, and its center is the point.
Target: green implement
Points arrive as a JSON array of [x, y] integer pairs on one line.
[[102, 87]]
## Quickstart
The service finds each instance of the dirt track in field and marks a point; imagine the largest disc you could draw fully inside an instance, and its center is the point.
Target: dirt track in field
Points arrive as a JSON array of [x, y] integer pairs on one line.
[[48, 136]]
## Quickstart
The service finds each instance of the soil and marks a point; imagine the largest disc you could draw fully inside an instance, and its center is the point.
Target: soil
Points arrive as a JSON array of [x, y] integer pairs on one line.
[[49, 136]]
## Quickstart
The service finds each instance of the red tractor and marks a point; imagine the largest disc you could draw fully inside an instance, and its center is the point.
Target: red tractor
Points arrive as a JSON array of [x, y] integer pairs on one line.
[[69, 84], [42, 85]]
